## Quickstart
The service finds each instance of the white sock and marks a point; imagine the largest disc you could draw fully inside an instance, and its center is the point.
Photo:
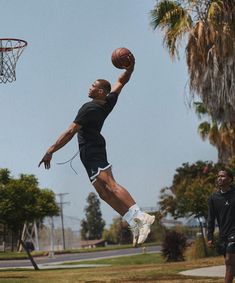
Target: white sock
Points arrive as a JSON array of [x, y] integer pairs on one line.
[[133, 212], [128, 217], [136, 211]]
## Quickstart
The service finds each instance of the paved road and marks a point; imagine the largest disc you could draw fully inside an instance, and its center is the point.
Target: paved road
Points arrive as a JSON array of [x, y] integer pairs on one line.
[[78, 257], [55, 262]]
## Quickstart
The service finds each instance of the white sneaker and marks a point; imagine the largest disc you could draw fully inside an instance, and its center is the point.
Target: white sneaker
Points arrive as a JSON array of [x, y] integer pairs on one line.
[[135, 233], [144, 227]]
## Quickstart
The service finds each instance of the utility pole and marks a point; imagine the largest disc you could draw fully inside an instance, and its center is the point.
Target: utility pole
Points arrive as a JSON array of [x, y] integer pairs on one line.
[[52, 253], [61, 204]]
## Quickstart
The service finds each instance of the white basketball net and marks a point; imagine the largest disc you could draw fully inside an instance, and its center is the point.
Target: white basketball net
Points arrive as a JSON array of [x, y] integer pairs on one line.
[[10, 51]]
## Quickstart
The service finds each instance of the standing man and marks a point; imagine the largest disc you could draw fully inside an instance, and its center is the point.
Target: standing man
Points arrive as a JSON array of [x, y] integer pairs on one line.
[[92, 146], [222, 209]]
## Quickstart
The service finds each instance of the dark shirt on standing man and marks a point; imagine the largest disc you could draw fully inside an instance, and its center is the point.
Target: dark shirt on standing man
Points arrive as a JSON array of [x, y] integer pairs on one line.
[[222, 209]]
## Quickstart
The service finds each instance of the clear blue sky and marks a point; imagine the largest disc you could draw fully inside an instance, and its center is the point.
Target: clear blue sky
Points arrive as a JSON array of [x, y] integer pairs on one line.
[[149, 134]]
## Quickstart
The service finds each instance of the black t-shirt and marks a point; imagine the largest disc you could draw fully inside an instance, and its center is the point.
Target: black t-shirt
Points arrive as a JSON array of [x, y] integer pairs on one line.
[[222, 209], [91, 117]]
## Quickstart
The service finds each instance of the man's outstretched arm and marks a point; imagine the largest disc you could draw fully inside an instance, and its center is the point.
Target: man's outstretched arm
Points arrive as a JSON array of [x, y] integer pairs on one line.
[[124, 77], [61, 141]]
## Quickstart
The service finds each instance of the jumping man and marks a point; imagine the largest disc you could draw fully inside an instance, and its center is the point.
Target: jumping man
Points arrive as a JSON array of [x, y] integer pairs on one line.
[[87, 125]]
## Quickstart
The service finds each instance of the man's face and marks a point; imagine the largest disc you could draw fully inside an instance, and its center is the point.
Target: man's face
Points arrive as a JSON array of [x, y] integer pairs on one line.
[[223, 180], [95, 91]]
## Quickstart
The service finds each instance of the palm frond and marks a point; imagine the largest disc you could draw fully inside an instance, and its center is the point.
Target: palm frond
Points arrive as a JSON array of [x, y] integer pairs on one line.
[[174, 20], [200, 109], [214, 136], [203, 130], [160, 10], [225, 136], [215, 8]]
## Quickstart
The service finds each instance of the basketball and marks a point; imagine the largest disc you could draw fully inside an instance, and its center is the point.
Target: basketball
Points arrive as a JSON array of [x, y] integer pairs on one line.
[[120, 57]]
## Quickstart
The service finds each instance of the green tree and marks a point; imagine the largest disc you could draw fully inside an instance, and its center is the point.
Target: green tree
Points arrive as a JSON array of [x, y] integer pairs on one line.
[[22, 201], [92, 227], [188, 196], [4, 176], [208, 28], [191, 187]]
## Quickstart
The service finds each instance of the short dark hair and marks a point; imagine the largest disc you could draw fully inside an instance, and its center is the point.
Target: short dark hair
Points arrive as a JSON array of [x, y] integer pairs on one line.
[[228, 171], [105, 85]]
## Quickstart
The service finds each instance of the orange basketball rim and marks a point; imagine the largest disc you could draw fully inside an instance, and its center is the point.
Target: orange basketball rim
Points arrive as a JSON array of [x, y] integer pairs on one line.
[[10, 51]]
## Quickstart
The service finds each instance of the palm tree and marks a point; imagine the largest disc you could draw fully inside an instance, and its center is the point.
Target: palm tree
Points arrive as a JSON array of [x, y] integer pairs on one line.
[[220, 134], [208, 26]]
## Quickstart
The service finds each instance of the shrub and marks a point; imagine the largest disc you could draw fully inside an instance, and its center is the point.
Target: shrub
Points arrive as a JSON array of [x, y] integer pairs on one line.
[[196, 250], [174, 246]]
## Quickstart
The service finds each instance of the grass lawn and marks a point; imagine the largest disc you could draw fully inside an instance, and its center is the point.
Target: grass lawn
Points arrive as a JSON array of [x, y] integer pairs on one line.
[[140, 268]]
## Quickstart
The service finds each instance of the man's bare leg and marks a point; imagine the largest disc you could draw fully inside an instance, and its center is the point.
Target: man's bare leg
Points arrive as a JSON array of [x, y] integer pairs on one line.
[[230, 267], [122, 202], [112, 193]]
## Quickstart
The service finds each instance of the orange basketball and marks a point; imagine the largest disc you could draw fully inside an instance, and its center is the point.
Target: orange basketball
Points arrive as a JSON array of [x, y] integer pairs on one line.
[[120, 57]]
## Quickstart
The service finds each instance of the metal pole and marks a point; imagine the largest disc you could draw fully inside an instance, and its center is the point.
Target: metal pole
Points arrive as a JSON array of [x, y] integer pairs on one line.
[[1, 60], [52, 253], [34, 264], [61, 203], [62, 223]]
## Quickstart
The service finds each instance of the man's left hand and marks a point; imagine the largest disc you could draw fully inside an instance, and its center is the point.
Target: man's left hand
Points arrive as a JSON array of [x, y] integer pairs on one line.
[[46, 160]]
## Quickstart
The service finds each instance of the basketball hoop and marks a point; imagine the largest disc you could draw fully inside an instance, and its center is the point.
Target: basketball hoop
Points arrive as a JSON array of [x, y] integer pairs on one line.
[[10, 51]]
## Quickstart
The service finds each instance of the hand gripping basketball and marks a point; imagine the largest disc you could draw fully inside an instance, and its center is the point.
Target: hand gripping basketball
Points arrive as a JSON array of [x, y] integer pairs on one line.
[[122, 58]]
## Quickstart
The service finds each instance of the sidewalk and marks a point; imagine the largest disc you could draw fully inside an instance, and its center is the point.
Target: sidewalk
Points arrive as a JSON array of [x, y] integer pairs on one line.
[[214, 271]]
